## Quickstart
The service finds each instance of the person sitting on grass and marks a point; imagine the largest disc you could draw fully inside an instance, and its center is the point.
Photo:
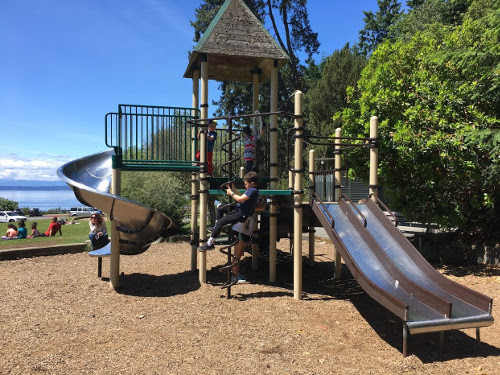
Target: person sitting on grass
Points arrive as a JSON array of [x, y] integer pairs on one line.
[[231, 214], [54, 227], [11, 232], [34, 231], [98, 234], [22, 232]]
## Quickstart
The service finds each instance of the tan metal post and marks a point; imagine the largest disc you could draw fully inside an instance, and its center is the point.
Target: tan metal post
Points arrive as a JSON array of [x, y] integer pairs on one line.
[[255, 107], [114, 260], [255, 92], [338, 193], [194, 176], [311, 192], [374, 157], [338, 165], [297, 199], [273, 172], [202, 256]]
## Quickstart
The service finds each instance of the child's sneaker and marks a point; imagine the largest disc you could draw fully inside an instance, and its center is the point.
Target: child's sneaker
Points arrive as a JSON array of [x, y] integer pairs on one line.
[[206, 247], [240, 279]]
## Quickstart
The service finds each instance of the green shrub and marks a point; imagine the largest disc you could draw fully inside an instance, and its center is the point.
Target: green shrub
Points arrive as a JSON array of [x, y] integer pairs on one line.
[[7, 204], [168, 192]]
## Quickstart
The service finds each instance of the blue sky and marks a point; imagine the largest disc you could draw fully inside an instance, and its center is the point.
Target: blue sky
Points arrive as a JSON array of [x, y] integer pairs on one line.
[[65, 64]]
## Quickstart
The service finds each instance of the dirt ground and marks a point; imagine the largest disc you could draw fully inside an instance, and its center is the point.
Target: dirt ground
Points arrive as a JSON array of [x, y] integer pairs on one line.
[[57, 317]]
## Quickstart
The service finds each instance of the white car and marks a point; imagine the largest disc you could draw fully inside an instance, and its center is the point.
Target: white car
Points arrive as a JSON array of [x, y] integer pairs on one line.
[[10, 217], [81, 211]]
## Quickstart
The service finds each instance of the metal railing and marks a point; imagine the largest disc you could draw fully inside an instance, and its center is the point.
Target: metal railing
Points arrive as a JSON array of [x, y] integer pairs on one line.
[[229, 146], [151, 136]]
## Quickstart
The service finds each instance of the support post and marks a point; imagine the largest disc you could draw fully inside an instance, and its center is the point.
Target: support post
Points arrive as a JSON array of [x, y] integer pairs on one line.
[[195, 234], [255, 107], [311, 192], [202, 256], [297, 198], [374, 157], [273, 172], [405, 339], [441, 342], [338, 193], [114, 260]]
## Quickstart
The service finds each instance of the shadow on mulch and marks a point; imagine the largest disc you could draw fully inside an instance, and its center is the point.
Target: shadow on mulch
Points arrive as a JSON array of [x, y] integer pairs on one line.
[[479, 270], [318, 280], [144, 285], [426, 346]]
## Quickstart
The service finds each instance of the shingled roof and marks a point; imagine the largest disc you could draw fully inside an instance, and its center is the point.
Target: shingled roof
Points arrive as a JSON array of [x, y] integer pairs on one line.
[[236, 43]]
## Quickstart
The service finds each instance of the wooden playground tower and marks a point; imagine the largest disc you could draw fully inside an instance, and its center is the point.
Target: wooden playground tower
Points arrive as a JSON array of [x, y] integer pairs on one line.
[[235, 47]]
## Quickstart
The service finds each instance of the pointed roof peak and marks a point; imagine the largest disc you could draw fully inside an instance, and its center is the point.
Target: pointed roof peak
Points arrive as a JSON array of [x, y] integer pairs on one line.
[[238, 43]]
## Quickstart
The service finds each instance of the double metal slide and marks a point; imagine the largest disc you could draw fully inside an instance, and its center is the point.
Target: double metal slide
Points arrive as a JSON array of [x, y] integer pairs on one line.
[[391, 270]]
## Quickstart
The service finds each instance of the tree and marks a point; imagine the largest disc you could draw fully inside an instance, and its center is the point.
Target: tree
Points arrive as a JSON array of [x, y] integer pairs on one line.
[[428, 13], [339, 71], [438, 101], [7, 204], [412, 4], [377, 25]]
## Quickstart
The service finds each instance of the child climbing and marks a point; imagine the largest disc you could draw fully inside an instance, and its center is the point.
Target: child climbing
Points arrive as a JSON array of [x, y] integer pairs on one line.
[[231, 214], [211, 137], [250, 144]]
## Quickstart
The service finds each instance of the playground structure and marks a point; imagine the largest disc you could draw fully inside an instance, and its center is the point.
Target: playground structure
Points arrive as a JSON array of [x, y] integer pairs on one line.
[[156, 138]]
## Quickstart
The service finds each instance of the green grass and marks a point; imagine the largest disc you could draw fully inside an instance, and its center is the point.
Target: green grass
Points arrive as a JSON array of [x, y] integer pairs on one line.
[[71, 233]]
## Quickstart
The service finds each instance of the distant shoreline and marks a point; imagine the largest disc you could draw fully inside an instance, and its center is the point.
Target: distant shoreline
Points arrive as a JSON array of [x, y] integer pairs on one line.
[[27, 188], [8, 183]]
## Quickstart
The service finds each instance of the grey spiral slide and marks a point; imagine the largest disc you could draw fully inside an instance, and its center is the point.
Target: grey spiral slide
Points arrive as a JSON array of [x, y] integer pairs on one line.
[[138, 225]]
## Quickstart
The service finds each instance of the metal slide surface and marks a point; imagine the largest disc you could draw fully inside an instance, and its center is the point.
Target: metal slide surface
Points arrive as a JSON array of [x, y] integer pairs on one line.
[[469, 308], [389, 276], [90, 180]]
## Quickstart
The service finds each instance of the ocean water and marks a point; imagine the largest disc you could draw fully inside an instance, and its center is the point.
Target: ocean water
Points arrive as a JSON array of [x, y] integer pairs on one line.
[[41, 197]]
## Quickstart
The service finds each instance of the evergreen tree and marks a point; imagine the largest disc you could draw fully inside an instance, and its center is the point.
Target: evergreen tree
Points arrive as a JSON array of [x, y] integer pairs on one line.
[[428, 13], [412, 4], [377, 25], [339, 71]]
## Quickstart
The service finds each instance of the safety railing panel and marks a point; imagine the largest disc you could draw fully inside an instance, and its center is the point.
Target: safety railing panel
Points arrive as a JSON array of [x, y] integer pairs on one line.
[[150, 134]]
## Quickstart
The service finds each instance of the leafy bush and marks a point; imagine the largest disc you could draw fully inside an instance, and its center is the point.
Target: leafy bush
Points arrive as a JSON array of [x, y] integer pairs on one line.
[[7, 204], [437, 96], [168, 192]]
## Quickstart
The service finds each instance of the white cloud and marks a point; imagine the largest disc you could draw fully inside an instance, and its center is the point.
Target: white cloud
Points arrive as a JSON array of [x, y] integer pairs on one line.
[[43, 168]]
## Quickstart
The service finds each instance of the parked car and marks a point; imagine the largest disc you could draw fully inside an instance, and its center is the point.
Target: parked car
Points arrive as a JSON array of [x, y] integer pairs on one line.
[[10, 217], [81, 211], [35, 212]]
